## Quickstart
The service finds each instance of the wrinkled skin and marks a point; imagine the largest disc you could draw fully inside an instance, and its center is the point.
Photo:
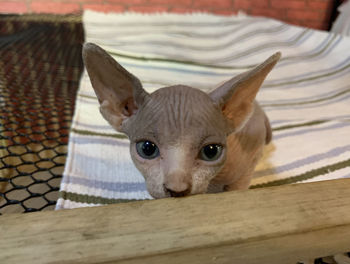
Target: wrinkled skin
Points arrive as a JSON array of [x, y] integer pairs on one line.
[[181, 121]]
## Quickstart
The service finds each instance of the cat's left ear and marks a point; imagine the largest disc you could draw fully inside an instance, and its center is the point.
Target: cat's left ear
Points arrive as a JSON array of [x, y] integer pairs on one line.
[[236, 96]]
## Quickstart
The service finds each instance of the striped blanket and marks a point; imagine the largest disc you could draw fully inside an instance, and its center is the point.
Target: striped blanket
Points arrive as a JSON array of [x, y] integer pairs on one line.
[[306, 96]]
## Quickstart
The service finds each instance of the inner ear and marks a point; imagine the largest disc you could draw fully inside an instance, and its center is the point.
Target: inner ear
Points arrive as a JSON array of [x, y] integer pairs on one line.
[[130, 108], [236, 96], [118, 91]]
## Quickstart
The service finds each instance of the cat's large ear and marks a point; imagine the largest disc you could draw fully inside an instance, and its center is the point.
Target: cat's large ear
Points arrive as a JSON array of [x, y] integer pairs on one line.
[[119, 92], [236, 96]]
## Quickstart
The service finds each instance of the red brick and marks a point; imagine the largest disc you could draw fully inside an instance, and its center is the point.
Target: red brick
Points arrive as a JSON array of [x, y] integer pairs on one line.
[[104, 8], [172, 2], [315, 24], [13, 7], [293, 22], [54, 7], [75, 1], [225, 12], [217, 4], [321, 4], [306, 15], [250, 4], [268, 12], [183, 10], [128, 2], [242, 4], [148, 9], [290, 4]]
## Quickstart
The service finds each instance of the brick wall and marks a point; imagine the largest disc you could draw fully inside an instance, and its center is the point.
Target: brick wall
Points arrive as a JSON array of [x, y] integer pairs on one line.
[[310, 13]]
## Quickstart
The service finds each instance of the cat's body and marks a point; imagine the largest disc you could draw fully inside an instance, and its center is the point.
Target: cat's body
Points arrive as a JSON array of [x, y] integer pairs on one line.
[[182, 139], [249, 142]]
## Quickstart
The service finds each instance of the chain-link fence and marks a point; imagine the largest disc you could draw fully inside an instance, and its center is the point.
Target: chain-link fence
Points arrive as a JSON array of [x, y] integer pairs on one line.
[[40, 68]]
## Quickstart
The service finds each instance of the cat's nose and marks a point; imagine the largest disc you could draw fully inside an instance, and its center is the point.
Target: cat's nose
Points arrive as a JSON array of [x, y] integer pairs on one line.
[[178, 192]]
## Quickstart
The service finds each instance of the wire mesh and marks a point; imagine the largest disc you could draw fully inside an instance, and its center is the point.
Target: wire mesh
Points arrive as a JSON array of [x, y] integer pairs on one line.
[[40, 68]]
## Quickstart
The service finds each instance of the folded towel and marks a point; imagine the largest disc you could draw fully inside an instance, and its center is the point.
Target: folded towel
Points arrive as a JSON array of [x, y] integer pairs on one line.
[[306, 96]]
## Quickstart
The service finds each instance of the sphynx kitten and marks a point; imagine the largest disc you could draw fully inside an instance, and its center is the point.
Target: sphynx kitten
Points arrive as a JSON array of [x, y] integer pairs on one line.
[[183, 139]]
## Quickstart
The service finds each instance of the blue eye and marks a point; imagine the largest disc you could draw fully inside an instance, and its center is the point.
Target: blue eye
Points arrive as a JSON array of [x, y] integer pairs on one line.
[[210, 152], [147, 149]]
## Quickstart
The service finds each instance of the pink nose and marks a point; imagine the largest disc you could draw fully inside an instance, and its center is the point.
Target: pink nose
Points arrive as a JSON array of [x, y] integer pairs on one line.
[[178, 190]]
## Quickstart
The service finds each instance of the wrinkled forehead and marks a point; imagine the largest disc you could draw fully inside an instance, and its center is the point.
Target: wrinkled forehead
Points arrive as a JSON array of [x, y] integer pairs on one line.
[[180, 112]]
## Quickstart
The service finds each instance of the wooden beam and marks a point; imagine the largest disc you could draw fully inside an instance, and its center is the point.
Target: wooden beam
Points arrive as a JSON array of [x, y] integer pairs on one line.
[[271, 225]]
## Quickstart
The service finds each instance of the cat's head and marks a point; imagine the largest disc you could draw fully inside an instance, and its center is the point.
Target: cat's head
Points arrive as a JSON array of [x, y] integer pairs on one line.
[[178, 133]]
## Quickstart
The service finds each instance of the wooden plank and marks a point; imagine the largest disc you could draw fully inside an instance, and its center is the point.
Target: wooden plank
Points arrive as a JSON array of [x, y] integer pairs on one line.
[[272, 225]]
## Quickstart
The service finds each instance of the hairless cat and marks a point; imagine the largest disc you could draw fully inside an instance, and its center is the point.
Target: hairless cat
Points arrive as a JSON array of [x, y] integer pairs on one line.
[[181, 138]]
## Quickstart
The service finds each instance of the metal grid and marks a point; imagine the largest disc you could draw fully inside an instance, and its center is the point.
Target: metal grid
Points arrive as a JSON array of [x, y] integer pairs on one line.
[[40, 68]]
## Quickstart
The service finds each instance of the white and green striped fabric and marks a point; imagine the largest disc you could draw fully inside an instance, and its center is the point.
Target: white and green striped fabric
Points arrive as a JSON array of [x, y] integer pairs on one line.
[[306, 96]]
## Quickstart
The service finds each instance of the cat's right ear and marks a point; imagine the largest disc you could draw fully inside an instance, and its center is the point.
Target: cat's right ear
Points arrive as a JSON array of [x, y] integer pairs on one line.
[[119, 92]]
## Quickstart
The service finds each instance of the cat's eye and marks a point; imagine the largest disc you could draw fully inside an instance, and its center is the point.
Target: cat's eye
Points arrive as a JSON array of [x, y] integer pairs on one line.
[[210, 152], [147, 149]]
